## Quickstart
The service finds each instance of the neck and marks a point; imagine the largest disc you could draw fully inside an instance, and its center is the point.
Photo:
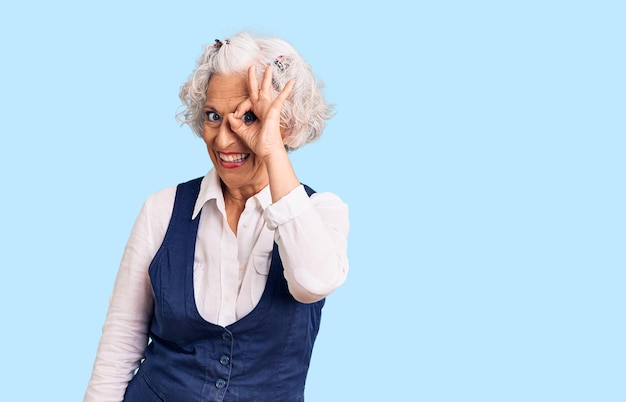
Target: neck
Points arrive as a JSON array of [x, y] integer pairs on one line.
[[239, 195]]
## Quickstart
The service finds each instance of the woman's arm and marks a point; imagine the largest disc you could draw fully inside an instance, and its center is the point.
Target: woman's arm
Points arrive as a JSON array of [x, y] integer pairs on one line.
[[125, 331], [312, 238], [311, 232]]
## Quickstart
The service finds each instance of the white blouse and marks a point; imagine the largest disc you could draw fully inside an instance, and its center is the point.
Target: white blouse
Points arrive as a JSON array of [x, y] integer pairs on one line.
[[230, 271]]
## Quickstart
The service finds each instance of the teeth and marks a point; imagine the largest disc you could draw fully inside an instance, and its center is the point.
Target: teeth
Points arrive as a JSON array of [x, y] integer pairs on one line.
[[233, 158]]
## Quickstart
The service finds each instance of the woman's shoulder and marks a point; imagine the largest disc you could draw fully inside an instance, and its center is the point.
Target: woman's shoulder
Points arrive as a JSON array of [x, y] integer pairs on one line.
[[323, 196], [157, 207], [167, 194], [164, 195]]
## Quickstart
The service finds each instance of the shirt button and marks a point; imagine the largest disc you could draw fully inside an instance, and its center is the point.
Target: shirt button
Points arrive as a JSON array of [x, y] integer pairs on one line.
[[224, 360], [226, 336], [220, 383]]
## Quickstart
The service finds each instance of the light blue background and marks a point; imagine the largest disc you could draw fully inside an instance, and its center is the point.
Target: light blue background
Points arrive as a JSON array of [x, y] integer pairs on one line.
[[480, 146]]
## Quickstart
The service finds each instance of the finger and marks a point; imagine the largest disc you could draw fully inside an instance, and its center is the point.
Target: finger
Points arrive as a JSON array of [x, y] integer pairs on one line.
[[253, 84], [243, 107], [284, 94], [266, 84], [234, 122], [245, 132]]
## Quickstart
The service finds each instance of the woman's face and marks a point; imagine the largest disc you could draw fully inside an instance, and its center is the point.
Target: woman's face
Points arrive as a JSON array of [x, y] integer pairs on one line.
[[234, 162]]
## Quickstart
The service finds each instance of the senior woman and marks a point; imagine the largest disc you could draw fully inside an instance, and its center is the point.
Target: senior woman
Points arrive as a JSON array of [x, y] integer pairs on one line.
[[221, 285]]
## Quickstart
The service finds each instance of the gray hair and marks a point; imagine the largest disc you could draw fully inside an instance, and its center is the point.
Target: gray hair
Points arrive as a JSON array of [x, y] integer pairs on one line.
[[304, 112]]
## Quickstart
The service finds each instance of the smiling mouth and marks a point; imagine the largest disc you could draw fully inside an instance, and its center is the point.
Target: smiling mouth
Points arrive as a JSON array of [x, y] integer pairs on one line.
[[233, 158]]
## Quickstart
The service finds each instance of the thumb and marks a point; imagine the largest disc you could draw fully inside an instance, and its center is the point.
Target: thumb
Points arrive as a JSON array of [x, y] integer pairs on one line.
[[234, 123]]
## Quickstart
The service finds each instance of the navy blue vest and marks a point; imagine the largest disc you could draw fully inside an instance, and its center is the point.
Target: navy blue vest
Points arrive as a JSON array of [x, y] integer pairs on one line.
[[262, 357]]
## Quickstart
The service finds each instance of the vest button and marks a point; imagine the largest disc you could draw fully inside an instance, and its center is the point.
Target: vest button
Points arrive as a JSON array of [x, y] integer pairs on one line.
[[224, 360], [220, 383], [226, 336]]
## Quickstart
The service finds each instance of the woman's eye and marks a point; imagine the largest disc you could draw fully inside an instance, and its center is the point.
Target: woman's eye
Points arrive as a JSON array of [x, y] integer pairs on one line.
[[248, 118], [212, 116]]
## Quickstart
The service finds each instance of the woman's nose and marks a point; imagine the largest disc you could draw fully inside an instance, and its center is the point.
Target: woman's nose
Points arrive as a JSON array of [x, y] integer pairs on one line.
[[225, 135]]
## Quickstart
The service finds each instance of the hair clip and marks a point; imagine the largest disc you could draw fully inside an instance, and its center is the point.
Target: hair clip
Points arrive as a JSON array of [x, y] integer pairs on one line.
[[281, 64], [218, 43]]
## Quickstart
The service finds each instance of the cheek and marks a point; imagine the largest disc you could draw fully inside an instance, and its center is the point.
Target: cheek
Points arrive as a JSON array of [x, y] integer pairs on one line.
[[208, 134]]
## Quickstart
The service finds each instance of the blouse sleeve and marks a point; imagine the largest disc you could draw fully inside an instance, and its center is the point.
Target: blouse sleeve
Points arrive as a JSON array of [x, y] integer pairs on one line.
[[125, 331], [312, 237]]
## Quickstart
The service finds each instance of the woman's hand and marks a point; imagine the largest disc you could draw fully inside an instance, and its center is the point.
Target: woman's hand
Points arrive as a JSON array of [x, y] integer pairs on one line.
[[257, 119]]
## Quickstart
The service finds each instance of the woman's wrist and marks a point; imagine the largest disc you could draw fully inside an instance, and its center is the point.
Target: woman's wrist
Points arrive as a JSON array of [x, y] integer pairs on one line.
[[282, 177]]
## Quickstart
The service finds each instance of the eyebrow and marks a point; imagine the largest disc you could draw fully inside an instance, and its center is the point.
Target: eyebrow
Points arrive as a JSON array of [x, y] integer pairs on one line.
[[209, 107]]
